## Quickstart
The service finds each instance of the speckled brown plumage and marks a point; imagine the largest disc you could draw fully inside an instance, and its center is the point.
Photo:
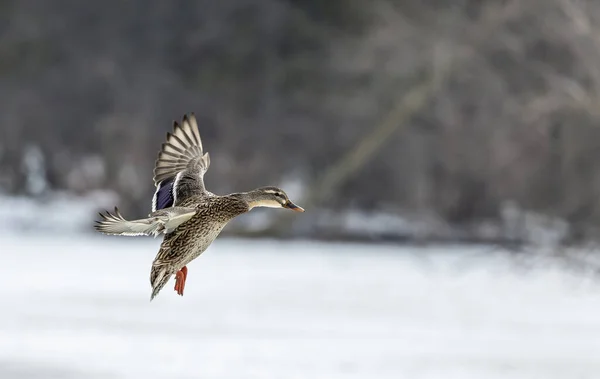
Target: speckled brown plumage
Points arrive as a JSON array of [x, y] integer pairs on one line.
[[193, 237]]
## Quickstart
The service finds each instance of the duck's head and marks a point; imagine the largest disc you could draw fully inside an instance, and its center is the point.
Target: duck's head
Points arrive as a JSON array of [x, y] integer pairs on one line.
[[271, 197]]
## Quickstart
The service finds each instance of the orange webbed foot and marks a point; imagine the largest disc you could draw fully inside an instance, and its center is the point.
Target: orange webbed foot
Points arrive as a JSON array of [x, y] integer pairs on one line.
[[180, 278]]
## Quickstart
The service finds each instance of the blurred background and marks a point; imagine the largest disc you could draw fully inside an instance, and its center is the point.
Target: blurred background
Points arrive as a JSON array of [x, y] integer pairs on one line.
[[446, 154]]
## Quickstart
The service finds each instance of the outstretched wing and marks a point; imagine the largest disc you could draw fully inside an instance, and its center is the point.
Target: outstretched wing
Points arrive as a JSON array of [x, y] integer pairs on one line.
[[162, 221], [181, 164]]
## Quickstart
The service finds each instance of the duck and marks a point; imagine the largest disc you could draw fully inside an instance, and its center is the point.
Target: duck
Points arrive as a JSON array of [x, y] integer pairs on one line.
[[184, 212]]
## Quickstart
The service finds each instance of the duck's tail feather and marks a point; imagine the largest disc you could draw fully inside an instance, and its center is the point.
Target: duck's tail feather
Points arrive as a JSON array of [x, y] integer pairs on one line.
[[158, 279]]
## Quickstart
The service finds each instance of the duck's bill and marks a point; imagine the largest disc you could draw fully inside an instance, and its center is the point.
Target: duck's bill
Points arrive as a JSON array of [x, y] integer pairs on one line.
[[293, 207]]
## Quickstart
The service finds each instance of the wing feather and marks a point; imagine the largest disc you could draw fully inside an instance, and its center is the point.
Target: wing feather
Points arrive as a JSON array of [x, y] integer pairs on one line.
[[162, 221], [182, 156]]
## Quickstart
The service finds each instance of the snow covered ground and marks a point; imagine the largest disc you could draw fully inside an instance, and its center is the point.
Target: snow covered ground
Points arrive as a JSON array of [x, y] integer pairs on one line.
[[78, 307]]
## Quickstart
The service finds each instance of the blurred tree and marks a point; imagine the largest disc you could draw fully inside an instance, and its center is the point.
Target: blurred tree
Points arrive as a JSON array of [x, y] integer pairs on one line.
[[312, 90]]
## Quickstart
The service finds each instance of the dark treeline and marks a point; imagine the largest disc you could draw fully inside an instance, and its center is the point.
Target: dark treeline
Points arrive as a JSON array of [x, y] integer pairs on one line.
[[284, 90]]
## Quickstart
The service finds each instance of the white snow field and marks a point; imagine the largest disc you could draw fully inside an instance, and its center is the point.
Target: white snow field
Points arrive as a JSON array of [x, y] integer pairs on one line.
[[78, 307]]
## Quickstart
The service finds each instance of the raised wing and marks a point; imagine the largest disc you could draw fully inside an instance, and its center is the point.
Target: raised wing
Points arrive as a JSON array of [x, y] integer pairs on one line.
[[162, 221], [181, 165]]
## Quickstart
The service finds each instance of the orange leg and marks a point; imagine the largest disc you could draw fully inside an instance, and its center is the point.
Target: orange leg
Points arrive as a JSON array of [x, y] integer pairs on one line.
[[180, 277]]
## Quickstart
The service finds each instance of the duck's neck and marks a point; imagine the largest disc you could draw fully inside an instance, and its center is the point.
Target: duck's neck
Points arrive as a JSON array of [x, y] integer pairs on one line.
[[257, 198]]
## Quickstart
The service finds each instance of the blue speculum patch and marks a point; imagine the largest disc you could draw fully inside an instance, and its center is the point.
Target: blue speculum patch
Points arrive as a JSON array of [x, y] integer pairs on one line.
[[164, 194]]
